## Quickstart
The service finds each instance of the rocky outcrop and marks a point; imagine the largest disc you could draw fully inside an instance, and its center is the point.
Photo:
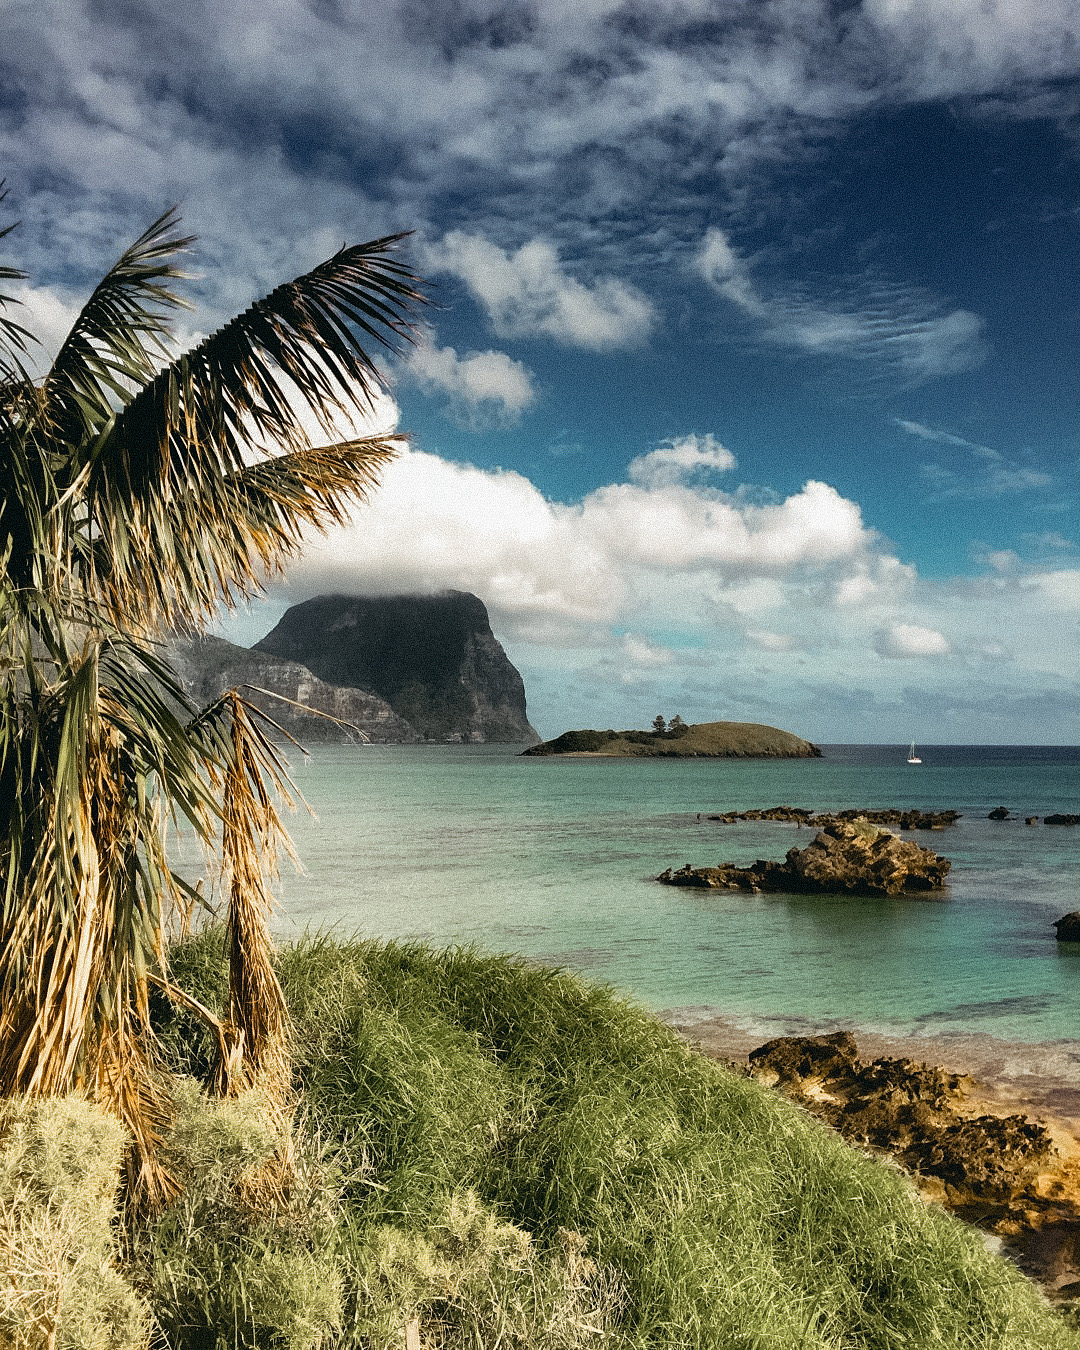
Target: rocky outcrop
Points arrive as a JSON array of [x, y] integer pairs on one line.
[[914, 1112], [845, 858], [208, 666], [1060, 819], [908, 818], [432, 658], [1068, 927], [998, 813]]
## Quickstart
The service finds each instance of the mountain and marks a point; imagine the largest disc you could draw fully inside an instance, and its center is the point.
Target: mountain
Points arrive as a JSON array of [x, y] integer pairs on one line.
[[432, 658], [208, 666], [704, 740]]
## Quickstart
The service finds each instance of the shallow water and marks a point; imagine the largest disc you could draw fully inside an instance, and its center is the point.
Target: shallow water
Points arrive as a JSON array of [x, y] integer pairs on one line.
[[553, 857]]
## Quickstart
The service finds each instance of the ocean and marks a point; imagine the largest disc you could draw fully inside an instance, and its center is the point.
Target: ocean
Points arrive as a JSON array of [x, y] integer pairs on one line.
[[554, 858]]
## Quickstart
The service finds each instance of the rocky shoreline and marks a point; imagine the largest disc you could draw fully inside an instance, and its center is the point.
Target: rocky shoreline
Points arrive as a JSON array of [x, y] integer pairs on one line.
[[907, 818], [973, 1140]]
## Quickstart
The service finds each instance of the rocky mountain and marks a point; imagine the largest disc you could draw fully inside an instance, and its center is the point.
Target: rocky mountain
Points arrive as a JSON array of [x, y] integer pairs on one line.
[[209, 665], [432, 658]]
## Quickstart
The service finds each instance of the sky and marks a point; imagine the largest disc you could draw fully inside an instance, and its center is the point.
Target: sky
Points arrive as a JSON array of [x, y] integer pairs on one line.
[[749, 386]]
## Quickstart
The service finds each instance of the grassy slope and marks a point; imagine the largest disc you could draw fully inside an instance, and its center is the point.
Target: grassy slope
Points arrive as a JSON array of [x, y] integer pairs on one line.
[[721, 1215], [730, 740]]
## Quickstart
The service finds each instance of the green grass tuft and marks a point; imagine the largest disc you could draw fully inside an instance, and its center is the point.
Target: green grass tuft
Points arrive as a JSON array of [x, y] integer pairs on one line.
[[526, 1160]]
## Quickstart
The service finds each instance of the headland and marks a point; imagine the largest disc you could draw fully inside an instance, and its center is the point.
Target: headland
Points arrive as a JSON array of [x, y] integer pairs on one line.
[[702, 740]]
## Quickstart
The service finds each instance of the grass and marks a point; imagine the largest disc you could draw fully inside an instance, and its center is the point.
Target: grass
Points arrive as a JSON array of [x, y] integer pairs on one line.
[[727, 740], [521, 1159]]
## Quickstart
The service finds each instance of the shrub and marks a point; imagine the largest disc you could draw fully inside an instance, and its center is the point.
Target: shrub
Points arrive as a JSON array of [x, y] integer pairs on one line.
[[246, 1255], [471, 1279], [60, 1288]]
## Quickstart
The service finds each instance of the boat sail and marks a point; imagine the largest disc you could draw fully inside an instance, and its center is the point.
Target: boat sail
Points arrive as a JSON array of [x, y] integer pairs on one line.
[[913, 758]]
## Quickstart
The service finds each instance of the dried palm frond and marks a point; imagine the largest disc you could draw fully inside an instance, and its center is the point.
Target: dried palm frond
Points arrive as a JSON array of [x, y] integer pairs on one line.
[[137, 491]]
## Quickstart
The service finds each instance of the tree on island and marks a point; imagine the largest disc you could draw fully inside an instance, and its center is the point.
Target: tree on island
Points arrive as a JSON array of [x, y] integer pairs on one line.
[[139, 492], [669, 731]]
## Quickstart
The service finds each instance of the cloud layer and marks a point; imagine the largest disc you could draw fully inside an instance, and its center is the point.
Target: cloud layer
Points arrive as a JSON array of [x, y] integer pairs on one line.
[[548, 122], [907, 331], [664, 592]]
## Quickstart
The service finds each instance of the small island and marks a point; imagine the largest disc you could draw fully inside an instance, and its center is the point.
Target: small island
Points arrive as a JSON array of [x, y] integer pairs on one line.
[[704, 740]]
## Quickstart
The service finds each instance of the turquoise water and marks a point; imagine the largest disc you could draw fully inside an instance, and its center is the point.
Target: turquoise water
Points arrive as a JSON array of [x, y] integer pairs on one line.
[[554, 858]]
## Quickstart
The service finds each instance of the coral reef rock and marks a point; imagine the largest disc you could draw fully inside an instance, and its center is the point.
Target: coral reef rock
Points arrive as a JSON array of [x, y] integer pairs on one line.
[[1016, 1177], [845, 858], [910, 818]]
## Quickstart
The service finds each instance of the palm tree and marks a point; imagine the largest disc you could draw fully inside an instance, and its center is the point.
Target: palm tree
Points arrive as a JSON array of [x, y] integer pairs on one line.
[[139, 492]]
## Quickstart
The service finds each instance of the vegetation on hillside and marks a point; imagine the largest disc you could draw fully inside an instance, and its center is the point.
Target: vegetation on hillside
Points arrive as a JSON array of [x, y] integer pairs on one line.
[[722, 740], [141, 490], [516, 1158]]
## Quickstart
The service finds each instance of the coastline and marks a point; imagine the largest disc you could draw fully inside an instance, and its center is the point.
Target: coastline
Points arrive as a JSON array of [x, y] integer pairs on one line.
[[1038, 1078]]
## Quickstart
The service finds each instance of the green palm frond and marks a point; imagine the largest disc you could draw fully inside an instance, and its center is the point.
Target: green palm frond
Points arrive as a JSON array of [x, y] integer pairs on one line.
[[173, 464], [213, 542], [134, 495], [120, 337]]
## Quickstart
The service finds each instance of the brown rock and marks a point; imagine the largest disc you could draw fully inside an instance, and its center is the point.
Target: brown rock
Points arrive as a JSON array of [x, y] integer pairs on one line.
[[912, 1111], [845, 858], [907, 818], [1068, 927], [792, 1059], [860, 858]]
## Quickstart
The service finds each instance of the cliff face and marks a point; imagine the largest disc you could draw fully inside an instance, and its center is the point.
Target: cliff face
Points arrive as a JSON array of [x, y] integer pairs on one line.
[[433, 658], [209, 665]]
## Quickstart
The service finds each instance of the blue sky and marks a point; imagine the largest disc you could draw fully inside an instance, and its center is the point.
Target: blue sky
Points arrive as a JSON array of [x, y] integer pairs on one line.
[[751, 385]]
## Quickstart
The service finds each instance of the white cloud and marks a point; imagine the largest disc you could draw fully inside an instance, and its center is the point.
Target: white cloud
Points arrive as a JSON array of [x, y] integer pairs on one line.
[[682, 459], [909, 640], [700, 602], [435, 524], [988, 473], [529, 294], [770, 642], [48, 314], [486, 386], [642, 654], [899, 330]]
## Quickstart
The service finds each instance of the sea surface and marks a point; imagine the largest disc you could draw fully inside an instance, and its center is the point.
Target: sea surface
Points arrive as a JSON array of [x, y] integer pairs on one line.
[[555, 858]]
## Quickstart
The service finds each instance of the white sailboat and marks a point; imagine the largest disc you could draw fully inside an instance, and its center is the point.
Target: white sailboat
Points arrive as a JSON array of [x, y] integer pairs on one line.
[[913, 758]]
